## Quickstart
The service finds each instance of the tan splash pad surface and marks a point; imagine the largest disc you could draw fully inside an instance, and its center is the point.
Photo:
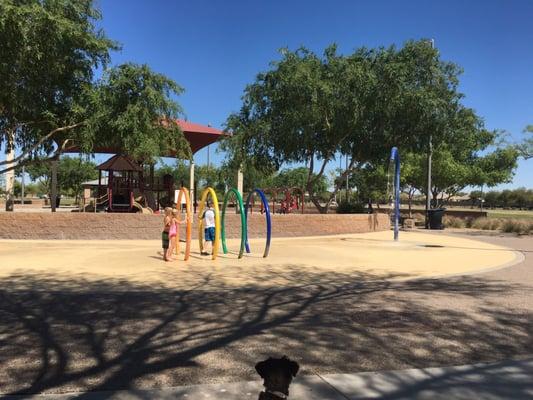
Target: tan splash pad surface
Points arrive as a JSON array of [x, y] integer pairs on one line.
[[416, 255]]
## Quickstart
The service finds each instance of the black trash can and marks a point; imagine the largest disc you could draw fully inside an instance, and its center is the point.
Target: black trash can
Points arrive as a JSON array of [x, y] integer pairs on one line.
[[435, 218]]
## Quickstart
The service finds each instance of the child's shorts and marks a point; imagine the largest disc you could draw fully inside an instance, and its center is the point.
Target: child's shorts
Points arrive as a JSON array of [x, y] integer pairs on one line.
[[209, 234], [164, 239]]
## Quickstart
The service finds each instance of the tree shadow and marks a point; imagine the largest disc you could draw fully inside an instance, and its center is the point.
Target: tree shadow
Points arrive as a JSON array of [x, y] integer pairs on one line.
[[69, 334]]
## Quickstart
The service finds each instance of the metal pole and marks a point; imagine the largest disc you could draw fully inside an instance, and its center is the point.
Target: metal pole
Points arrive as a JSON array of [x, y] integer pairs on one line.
[[347, 199], [340, 172], [22, 185], [430, 154], [395, 156], [481, 199], [54, 194]]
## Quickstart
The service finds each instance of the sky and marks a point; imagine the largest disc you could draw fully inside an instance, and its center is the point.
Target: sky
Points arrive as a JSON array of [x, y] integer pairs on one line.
[[214, 48]]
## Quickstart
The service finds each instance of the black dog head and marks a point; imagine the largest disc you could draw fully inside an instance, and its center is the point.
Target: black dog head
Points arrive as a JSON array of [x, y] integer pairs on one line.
[[277, 374]]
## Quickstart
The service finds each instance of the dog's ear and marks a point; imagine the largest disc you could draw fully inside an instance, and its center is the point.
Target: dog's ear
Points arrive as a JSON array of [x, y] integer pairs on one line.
[[262, 367], [294, 367]]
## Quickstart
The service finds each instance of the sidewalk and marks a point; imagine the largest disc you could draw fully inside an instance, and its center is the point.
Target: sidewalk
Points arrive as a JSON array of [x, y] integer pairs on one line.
[[503, 380]]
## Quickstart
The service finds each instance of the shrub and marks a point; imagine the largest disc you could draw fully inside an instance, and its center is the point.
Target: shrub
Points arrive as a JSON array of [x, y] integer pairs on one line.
[[453, 222], [347, 207], [517, 226], [486, 224]]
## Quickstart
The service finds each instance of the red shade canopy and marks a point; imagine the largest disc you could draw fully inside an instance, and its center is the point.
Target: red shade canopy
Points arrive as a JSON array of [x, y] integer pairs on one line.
[[198, 136]]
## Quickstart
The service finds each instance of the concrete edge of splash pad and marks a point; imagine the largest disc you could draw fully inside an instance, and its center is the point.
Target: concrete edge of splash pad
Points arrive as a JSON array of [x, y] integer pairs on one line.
[[361, 256]]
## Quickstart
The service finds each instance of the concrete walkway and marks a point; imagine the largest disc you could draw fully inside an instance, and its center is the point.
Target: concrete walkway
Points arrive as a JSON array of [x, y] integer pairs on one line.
[[503, 380]]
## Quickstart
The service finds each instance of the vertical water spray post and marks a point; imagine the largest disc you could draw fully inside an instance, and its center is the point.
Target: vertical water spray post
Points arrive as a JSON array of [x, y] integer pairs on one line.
[[395, 157]]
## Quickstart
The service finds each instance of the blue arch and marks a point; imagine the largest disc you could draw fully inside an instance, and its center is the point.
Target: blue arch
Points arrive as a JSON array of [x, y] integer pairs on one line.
[[395, 156], [268, 221]]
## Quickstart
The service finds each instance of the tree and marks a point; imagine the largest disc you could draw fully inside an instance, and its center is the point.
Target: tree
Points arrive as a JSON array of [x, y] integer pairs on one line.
[[462, 163], [51, 102], [297, 177], [50, 50], [309, 109], [412, 174], [30, 189], [526, 147], [179, 172], [72, 172]]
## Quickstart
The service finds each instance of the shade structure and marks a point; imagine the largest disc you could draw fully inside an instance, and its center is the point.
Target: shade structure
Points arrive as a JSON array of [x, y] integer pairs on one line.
[[198, 136]]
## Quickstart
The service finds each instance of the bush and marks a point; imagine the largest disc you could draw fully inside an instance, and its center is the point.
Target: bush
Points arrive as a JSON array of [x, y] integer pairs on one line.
[[346, 207], [486, 224], [453, 222], [517, 226]]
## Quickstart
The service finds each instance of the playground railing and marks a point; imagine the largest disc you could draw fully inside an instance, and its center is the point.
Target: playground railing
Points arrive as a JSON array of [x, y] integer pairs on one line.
[[100, 200]]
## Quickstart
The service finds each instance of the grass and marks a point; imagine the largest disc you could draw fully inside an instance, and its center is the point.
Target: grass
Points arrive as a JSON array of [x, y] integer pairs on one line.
[[511, 214]]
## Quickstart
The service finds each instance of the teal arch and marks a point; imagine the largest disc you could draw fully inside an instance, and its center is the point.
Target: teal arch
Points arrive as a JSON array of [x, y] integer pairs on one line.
[[243, 220]]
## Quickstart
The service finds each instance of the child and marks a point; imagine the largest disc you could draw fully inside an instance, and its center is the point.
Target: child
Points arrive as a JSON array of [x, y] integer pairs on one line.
[[209, 228], [167, 220], [173, 233]]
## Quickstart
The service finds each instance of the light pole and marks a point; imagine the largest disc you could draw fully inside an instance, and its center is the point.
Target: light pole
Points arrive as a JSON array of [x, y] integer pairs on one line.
[[430, 153], [22, 185]]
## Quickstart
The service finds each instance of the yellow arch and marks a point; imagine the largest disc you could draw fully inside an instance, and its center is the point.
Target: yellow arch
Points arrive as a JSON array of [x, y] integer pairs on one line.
[[188, 232], [216, 244]]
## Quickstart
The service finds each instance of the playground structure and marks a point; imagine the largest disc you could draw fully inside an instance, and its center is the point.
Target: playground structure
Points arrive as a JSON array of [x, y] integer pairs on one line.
[[291, 199], [123, 187], [129, 185]]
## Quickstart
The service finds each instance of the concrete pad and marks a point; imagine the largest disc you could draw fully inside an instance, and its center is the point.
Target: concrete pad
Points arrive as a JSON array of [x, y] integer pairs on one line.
[[491, 381], [304, 388], [416, 255], [504, 380]]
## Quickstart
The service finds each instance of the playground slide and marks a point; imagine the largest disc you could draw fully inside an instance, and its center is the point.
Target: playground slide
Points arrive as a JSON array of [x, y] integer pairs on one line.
[[141, 209]]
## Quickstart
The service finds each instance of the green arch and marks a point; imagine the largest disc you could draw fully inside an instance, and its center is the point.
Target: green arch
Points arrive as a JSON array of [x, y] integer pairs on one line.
[[243, 220]]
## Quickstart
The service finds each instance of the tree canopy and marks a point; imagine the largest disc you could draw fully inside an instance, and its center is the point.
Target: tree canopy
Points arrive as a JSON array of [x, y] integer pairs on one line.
[[526, 147], [310, 109], [72, 172], [50, 100]]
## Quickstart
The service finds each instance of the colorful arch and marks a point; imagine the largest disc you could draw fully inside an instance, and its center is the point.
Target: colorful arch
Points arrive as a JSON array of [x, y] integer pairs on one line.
[[243, 220], [188, 232], [209, 191], [268, 220]]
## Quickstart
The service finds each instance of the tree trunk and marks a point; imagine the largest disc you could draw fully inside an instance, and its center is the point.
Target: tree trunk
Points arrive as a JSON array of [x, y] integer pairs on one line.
[[53, 195], [321, 209]]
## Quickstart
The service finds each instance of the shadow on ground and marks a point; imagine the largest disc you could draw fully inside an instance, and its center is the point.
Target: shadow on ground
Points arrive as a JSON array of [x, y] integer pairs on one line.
[[74, 334]]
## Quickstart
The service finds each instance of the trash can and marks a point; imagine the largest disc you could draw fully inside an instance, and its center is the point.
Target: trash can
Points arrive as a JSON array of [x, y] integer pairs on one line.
[[435, 218], [9, 203]]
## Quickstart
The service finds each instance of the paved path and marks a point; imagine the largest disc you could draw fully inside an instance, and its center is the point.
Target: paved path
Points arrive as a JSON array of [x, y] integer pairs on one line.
[[60, 335], [503, 380]]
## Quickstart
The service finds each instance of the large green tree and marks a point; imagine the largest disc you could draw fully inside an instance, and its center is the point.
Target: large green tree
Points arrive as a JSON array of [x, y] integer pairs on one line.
[[51, 101], [49, 51], [309, 109], [456, 165]]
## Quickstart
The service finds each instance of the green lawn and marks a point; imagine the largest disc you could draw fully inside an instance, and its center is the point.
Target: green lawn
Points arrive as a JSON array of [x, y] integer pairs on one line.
[[515, 214]]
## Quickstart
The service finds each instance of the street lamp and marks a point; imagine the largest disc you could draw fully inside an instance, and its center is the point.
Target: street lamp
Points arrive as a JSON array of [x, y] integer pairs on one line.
[[430, 153]]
